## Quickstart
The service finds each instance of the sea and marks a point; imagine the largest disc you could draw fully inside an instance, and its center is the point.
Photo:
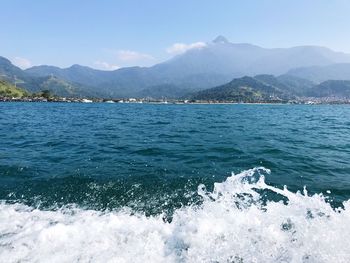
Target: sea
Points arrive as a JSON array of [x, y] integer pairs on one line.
[[104, 182]]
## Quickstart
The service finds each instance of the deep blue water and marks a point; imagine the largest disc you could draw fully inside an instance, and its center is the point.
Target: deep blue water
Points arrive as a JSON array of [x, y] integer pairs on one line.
[[152, 158]]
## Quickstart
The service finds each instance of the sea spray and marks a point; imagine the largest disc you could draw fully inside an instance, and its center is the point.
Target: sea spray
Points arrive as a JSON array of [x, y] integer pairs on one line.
[[233, 224]]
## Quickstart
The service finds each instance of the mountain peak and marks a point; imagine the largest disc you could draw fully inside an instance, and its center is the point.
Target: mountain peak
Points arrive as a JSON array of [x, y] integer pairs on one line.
[[76, 66], [220, 40], [79, 68]]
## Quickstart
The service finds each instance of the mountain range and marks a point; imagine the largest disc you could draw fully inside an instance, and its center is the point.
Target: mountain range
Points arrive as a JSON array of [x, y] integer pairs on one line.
[[214, 64]]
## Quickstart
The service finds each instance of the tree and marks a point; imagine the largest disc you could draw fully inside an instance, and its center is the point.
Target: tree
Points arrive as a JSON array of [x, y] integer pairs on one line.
[[46, 94]]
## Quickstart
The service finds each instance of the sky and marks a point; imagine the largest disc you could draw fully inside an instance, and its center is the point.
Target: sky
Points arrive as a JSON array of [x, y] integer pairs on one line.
[[109, 34]]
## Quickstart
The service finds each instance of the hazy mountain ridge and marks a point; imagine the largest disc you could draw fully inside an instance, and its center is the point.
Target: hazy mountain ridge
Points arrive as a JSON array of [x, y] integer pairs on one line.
[[318, 74], [331, 88], [76, 73]]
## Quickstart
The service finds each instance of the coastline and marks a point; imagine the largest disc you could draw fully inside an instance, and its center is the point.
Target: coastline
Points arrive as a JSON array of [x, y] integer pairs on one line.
[[178, 102]]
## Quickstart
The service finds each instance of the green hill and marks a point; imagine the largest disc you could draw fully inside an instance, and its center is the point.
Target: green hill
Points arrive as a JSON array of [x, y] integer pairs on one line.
[[246, 89], [9, 90]]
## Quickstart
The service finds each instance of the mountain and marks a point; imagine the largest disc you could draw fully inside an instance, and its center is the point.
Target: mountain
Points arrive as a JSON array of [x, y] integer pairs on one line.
[[122, 82], [10, 72], [228, 60], [75, 73], [339, 89], [318, 74], [9, 90], [212, 64], [280, 60], [245, 89], [36, 81]]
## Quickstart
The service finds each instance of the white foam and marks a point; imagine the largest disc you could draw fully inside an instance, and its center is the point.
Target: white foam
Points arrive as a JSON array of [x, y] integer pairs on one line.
[[231, 226]]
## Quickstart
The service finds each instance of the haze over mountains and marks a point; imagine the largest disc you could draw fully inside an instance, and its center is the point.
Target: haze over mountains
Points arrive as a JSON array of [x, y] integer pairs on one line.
[[213, 64]]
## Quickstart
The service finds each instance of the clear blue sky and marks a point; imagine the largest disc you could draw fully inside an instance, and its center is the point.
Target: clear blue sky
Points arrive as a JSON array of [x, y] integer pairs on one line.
[[112, 33]]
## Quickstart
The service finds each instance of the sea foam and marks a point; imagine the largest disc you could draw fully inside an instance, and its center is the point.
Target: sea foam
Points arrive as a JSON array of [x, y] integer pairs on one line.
[[233, 224]]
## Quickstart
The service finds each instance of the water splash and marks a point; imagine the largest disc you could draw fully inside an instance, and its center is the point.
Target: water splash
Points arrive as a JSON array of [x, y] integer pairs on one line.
[[233, 224]]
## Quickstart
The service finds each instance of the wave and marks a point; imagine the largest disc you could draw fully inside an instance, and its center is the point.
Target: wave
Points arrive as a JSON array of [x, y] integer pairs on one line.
[[235, 223]]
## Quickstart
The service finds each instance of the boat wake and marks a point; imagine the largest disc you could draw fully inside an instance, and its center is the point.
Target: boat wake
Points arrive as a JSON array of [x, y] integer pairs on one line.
[[235, 223]]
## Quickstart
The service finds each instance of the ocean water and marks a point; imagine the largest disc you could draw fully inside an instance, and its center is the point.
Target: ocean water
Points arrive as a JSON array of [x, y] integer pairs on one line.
[[174, 183]]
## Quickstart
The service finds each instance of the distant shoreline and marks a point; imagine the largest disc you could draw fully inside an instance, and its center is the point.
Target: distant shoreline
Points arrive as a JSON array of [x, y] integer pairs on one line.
[[170, 102]]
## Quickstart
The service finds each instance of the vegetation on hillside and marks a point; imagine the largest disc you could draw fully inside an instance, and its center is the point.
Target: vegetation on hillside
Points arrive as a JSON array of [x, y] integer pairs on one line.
[[179, 78], [331, 88], [246, 89], [9, 90]]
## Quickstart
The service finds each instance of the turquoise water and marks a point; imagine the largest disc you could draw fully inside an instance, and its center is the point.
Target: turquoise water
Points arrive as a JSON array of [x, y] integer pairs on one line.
[[172, 163]]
